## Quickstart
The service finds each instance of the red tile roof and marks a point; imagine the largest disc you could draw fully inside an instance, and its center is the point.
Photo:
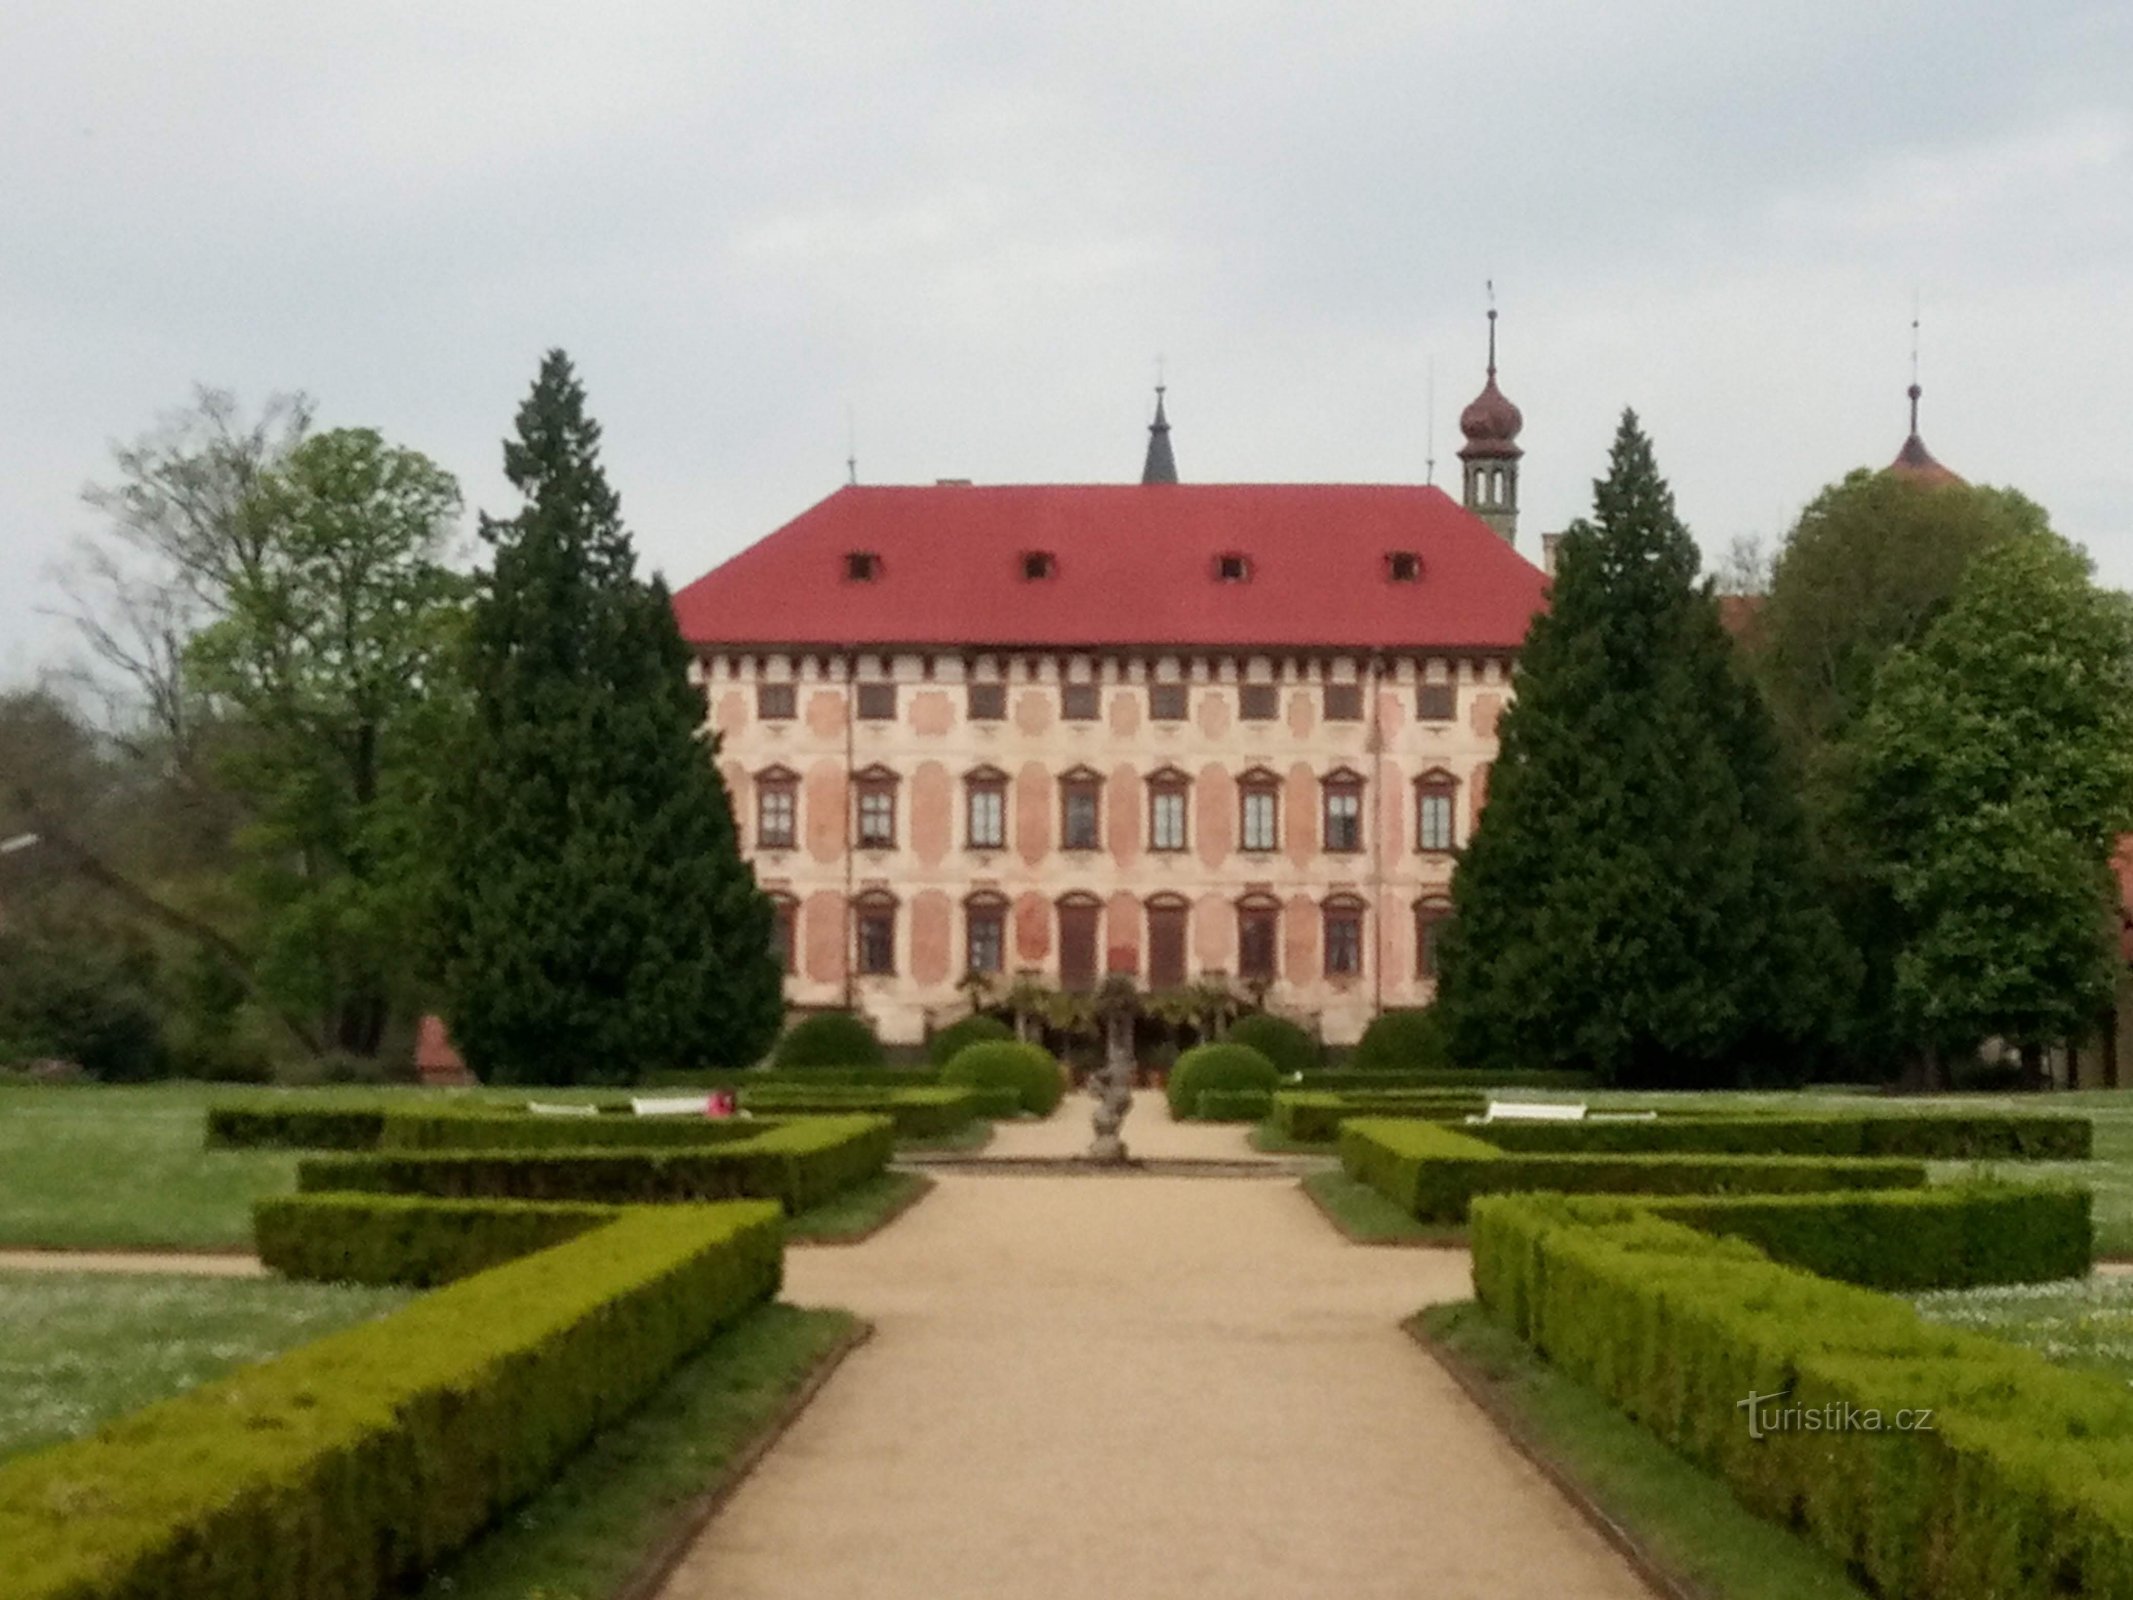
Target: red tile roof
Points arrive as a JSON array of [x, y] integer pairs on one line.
[[1134, 565]]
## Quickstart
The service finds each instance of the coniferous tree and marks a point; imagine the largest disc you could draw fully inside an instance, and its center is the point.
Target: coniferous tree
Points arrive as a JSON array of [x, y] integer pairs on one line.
[[1637, 900], [599, 921]]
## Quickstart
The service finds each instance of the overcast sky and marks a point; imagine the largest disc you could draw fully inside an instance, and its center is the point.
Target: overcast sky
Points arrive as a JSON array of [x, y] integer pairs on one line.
[[976, 227]]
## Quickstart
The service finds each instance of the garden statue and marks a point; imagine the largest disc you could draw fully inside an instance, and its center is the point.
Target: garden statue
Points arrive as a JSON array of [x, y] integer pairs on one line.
[[1112, 1083]]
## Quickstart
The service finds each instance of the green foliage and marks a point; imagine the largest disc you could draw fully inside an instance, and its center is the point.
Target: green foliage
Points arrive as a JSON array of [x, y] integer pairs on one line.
[[977, 1028], [1403, 1040], [596, 919], [2011, 1491], [1034, 1075], [1638, 898], [1309, 1116], [69, 997], [923, 1113], [829, 1039], [279, 1124], [1233, 1105], [1924, 1137], [1217, 1066], [1342, 1080], [1993, 773], [1957, 1236], [330, 655], [378, 1239], [1292, 1049], [1434, 1173], [800, 1163], [358, 1462]]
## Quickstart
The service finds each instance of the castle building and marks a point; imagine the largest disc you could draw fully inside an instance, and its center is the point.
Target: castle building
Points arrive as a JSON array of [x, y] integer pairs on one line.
[[1167, 729]]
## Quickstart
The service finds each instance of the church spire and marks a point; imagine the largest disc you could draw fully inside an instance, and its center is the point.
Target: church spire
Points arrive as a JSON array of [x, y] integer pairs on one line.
[[1491, 425], [1914, 461], [1161, 466]]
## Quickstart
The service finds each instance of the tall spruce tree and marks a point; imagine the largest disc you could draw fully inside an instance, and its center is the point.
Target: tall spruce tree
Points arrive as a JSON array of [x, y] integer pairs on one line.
[[1637, 900], [599, 921]]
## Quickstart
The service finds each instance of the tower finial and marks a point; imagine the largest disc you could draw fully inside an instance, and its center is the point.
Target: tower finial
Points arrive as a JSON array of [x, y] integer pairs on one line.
[[851, 445], [1160, 466], [1429, 408], [1915, 391], [1490, 284]]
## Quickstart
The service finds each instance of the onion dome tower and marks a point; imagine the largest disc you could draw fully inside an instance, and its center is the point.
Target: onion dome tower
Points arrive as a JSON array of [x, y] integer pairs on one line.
[[1161, 466], [1490, 455], [1914, 462]]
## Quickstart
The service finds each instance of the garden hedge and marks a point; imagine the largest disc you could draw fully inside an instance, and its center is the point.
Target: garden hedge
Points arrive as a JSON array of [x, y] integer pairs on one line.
[[1217, 1066], [1406, 1038], [505, 1129], [829, 1039], [977, 1028], [1308, 1116], [1924, 1135], [1432, 1173], [1292, 1049], [1955, 1236], [353, 1465], [381, 1238], [801, 1163], [1233, 1105], [1030, 1070], [915, 1113], [2021, 1488], [1341, 1078]]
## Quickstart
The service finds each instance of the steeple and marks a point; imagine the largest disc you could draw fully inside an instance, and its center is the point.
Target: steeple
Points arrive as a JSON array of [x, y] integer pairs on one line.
[[1491, 454], [1914, 462], [1161, 466]]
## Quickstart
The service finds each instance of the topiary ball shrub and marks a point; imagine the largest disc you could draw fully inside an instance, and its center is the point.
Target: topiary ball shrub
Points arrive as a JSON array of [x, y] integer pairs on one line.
[[952, 1040], [829, 1039], [1217, 1066], [994, 1063], [1290, 1048], [1403, 1041]]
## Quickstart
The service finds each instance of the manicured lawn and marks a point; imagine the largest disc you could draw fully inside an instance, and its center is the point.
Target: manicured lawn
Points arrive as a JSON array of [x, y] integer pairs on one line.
[[1367, 1217], [589, 1529], [79, 1348], [848, 1217], [2086, 1323], [1686, 1518]]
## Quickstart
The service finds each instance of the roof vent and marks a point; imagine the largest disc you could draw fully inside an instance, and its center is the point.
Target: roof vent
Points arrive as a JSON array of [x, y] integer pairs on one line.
[[1403, 566], [1232, 567], [1037, 565], [861, 566]]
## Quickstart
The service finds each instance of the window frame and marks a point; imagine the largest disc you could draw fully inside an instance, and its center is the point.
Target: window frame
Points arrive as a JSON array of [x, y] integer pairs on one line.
[[1259, 784], [1081, 702], [1259, 916], [1079, 903], [874, 784], [1327, 704], [1169, 786], [985, 909], [1168, 908], [785, 932], [876, 907], [1342, 783], [769, 695], [973, 711], [1432, 912], [1423, 709], [1081, 783], [1159, 693], [784, 784], [1247, 697], [1437, 785], [988, 783], [1343, 913], [874, 694]]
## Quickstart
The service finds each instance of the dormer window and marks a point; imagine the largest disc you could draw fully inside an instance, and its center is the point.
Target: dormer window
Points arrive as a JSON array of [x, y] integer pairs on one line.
[[861, 566], [1037, 565], [1232, 567], [1403, 566]]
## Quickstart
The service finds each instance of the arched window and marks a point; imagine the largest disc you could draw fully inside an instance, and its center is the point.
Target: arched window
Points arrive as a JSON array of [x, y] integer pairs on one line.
[[1431, 917], [874, 934], [874, 802], [777, 808], [1168, 793], [1259, 810], [1341, 797], [1342, 916], [1168, 919], [985, 808], [985, 932], [1259, 938], [1436, 812], [1079, 914], [1081, 803]]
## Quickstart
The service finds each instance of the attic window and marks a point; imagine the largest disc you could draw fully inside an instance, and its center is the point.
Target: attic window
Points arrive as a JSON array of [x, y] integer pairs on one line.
[[1403, 566], [1232, 567], [861, 566], [1038, 565]]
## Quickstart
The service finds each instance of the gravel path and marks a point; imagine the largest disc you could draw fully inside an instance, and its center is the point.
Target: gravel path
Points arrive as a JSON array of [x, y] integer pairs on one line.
[[1139, 1387], [202, 1265]]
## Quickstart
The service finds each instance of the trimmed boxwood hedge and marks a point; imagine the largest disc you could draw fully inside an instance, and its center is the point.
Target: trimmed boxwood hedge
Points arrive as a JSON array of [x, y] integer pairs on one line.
[[1924, 1135], [1344, 1078], [1217, 1066], [2019, 1490], [356, 1463], [1292, 1049], [976, 1028], [1031, 1071], [829, 1039], [381, 1238], [916, 1113], [515, 1130], [1432, 1173], [1309, 1116], [1409, 1039], [801, 1163], [1233, 1105]]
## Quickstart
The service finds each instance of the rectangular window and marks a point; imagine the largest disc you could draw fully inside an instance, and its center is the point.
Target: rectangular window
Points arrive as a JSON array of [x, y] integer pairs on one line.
[[1258, 940], [1081, 828], [877, 702], [1077, 947], [988, 816], [877, 941], [1344, 702], [1344, 819], [1167, 702], [783, 914], [1080, 702], [1344, 942], [1430, 920], [776, 702], [775, 815], [1434, 819], [1166, 947], [988, 702], [877, 817], [1262, 819], [1437, 702], [987, 945], [1166, 818], [1259, 702]]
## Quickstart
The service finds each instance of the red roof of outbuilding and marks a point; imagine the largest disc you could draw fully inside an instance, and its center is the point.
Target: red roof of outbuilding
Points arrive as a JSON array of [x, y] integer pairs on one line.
[[1133, 565]]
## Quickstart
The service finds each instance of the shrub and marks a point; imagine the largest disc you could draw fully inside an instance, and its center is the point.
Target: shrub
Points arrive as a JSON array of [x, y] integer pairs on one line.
[[1432, 1172], [829, 1039], [2016, 1489], [925, 1113], [1292, 1050], [1026, 1068], [1310, 1117], [976, 1028], [1233, 1105], [1341, 1079], [378, 1238], [1217, 1066], [294, 1126], [1407, 1040], [1924, 1136], [996, 1101], [352, 1465]]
